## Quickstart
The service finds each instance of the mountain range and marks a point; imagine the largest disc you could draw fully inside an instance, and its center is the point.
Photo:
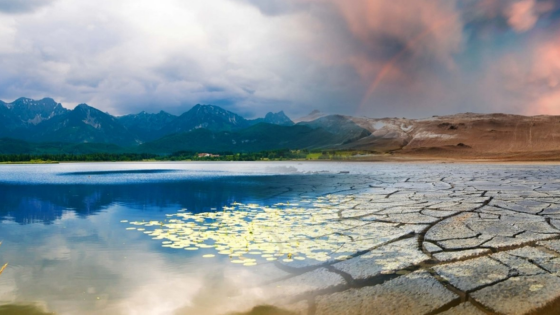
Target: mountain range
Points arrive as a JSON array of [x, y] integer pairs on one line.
[[27, 124], [44, 126]]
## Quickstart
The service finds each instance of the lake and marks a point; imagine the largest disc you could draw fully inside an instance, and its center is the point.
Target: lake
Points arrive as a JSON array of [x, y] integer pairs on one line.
[[69, 252], [210, 238]]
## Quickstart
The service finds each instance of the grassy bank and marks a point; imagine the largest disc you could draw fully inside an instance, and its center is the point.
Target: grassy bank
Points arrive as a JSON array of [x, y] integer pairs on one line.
[[273, 155], [30, 162]]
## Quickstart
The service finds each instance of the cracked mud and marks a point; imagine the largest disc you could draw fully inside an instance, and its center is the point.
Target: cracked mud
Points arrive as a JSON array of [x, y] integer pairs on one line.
[[438, 240]]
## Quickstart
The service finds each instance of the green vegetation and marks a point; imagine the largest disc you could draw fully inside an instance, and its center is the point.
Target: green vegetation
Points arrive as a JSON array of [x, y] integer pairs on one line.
[[16, 147], [30, 162], [270, 155], [92, 157]]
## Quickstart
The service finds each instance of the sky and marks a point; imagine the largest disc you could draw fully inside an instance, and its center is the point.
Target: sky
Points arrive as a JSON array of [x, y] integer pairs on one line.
[[375, 58]]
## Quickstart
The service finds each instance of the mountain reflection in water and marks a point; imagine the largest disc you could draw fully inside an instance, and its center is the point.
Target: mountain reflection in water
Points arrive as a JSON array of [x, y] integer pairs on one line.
[[70, 253], [26, 204]]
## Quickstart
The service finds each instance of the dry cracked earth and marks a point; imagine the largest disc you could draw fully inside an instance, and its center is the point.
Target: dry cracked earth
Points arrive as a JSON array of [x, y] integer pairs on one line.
[[434, 240]]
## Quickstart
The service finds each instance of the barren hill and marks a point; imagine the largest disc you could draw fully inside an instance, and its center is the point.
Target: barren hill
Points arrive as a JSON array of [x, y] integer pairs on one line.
[[462, 134]]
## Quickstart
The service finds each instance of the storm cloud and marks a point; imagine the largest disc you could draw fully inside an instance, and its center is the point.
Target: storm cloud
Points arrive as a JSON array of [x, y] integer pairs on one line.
[[18, 6], [362, 57]]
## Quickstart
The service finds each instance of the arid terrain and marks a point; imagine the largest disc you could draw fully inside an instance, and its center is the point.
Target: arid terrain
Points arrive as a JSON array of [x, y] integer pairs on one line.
[[451, 239], [464, 136]]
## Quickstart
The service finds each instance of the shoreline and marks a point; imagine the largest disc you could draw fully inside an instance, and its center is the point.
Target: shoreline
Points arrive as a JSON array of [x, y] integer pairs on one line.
[[396, 160], [426, 155]]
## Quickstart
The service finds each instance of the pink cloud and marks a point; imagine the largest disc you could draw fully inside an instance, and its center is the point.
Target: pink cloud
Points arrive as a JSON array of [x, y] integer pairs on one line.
[[410, 54], [545, 80], [522, 16], [436, 22], [530, 78], [397, 45]]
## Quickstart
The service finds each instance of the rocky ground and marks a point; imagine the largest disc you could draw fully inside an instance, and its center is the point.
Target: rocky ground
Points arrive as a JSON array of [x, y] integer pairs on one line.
[[434, 240]]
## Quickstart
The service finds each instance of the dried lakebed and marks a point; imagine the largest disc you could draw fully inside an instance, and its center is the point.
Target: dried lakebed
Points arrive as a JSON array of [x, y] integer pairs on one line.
[[434, 240]]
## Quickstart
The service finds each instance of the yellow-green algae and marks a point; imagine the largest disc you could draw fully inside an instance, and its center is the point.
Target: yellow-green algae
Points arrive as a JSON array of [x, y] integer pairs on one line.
[[4, 266], [252, 233]]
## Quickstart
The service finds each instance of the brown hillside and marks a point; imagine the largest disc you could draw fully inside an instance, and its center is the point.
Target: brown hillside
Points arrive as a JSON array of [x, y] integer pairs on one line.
[[463, 134]]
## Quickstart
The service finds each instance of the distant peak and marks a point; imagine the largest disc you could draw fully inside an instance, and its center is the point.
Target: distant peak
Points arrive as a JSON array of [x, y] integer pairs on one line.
[[28, 101], [279, 114], [22, 101], [83, 106], [278, 118], [315, 114], [206, 108], [164, 113]]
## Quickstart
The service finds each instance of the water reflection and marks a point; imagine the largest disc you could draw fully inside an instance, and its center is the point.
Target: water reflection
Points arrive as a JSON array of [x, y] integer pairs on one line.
[[68, 251], [118, 172], [93, 265], [26, 204]]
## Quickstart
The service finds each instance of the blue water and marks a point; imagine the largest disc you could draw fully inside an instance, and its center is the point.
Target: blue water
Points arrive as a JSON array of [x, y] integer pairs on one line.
[[69, 252]]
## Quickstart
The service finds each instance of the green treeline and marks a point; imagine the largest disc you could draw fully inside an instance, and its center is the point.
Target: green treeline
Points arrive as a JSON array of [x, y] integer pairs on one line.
[[91, 157], [271, 155]]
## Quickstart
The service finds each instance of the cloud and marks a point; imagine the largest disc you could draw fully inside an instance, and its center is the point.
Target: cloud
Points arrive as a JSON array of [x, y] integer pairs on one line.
[[134, 55], [525, 80], [277, 7], [68, 272], [18, 6], [367, 57], [541, 79], [522, 16], [122, 57], [518, 15], [390, 46], [406, 40]]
